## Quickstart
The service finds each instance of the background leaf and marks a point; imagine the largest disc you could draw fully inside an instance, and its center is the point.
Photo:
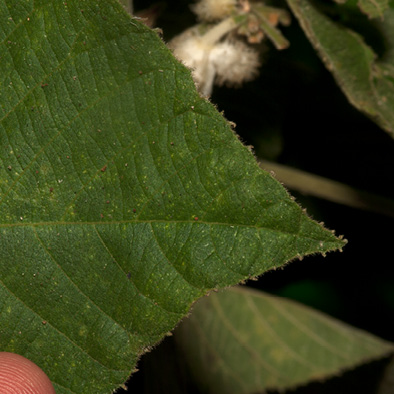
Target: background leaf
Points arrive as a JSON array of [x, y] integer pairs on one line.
[[124, 196], [246, 341], [372, 8], [366, 79]]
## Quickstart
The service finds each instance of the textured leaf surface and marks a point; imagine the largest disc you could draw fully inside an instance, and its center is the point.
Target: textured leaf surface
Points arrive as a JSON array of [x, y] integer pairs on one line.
[[244, 341], [366, 80], [124, 196]]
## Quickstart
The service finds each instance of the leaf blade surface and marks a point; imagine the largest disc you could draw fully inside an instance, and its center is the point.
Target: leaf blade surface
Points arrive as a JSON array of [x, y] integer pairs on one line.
[[246, 341], [124, 196]]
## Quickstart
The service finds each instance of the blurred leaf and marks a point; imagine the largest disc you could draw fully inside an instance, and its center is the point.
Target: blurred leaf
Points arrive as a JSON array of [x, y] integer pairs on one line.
[[372, 8], [316, 294], [124, 196], [315, 185], [368, 82], [245, 341]]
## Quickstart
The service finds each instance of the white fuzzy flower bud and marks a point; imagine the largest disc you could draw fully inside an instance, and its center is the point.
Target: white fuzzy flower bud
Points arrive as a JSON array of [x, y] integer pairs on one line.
[[210, 10], [194, 51], [230, 62], [235, 62]]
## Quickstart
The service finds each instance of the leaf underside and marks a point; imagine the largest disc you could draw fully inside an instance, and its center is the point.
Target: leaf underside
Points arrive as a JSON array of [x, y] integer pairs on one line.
[[372, 8], [244, 341], [124, 196], [366, 79]]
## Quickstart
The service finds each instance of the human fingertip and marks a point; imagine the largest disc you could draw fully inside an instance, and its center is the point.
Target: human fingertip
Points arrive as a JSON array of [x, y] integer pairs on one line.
[[19, 375]]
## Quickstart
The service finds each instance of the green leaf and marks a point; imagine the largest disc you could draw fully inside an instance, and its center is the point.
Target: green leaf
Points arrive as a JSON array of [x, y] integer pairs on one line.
[[124, 196], [373, 8], [367, 81], [245, 341]]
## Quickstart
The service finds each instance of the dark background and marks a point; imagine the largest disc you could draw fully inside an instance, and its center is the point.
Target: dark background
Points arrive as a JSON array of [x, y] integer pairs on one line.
[[295, 114]]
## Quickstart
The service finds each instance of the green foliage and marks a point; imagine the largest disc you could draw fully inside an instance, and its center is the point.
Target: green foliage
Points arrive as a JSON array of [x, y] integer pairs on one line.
[[255, 342], [366, 80], [124, 195], [372, 8]]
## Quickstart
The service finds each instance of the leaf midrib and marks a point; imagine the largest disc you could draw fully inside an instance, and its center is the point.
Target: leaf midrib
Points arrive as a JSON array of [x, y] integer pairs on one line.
[[147, 221]]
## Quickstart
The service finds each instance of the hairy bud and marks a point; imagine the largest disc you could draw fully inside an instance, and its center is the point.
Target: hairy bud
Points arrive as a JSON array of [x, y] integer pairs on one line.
[[210, 10]]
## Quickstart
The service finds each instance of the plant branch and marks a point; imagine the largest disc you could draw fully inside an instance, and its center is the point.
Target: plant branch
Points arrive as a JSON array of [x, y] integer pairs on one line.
[[212, 36], [328, 189]]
